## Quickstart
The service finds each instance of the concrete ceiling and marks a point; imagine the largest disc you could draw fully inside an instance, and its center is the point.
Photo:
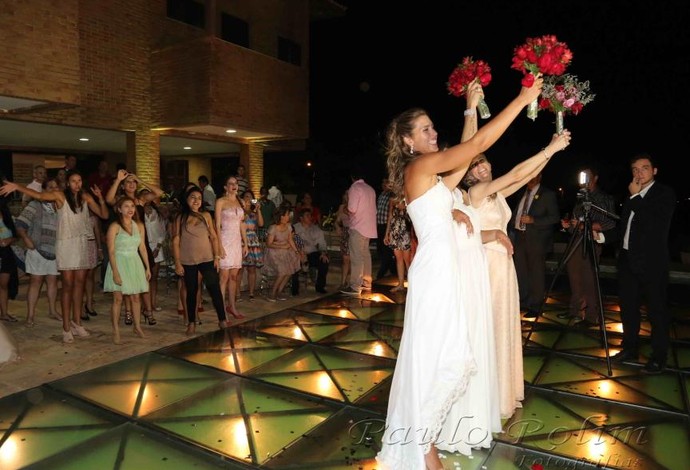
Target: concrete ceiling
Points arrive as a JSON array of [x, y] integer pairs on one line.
[[40, 137]]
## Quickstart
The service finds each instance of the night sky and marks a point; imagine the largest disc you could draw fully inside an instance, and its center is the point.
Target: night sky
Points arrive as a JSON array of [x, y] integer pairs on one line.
[[383, 57]]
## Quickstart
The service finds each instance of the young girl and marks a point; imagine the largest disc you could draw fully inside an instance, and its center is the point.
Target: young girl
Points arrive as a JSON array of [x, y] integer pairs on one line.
[[399, 237], [253, 220], [128, 273], [75, 254]]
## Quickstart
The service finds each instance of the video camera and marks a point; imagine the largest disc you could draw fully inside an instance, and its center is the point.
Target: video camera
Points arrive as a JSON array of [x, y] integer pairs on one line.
[[583, 181]]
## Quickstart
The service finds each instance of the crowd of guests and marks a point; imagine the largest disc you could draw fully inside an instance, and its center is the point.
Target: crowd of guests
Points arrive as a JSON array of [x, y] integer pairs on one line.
[[116, 233]]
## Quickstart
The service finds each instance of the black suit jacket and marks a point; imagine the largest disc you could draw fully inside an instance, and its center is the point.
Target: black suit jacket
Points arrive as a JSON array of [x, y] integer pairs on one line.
[[649, 228], [544, 209]]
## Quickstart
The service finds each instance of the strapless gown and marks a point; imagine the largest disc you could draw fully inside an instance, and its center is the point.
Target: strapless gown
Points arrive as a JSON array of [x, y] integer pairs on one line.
[[435, 361]]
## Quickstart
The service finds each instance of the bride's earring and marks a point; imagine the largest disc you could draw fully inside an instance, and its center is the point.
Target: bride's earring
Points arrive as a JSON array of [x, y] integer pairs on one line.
[[411, 149]]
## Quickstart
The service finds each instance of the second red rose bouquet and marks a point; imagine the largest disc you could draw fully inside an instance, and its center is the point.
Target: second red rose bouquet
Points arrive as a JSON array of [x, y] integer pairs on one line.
[[545, 55], [564, 94], [464, 74]]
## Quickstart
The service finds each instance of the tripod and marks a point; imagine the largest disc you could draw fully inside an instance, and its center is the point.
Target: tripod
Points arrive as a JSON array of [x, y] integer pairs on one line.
[[583, 235]]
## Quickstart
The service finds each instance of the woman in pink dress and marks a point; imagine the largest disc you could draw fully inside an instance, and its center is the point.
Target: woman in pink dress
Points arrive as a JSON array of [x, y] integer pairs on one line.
[[233, 243]]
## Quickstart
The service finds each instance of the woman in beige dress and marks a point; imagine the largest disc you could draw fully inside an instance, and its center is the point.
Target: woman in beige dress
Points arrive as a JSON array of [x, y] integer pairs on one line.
[[488, 196]]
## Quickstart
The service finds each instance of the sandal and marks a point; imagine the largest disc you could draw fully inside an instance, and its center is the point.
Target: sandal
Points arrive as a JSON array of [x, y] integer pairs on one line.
[[128, 318], [9, 318], [148, 316], [91, 313]]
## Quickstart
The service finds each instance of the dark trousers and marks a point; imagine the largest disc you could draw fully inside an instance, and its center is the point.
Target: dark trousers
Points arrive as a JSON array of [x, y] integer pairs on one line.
[[530, 265], [191, 281], [386, 256], [583, 281], [634, 284], [314, 261]]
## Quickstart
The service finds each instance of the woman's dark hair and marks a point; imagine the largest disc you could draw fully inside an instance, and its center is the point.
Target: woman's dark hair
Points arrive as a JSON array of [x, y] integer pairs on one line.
[[75, 201], [44, 185], [118, 206], [186, 211], [469, 180], [281, 211], [7, 218]]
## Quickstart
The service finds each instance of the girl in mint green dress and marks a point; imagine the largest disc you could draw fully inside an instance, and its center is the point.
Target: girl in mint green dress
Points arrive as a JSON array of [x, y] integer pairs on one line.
[[128, 272]]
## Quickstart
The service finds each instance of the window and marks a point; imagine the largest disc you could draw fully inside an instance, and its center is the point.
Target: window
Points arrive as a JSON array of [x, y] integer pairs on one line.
[[289, 51], [234, 30], [187, 11]]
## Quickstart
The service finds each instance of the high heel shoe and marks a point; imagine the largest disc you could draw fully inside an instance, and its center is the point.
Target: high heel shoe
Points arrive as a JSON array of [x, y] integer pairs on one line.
[[128, 318], [148, 316], [237, 315], [91, 313]]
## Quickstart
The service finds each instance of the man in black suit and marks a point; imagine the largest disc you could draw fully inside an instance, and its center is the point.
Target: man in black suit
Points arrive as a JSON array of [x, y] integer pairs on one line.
[[533, 222], [643, 262]]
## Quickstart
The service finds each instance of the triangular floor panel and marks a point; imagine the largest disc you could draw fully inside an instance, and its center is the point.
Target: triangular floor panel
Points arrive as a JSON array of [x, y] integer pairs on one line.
[[356, 384], [50, 410], [611, 390], [347, 440], [665, 388], [316, 333], [559, 369], [371, 348], [595, 448], [356, 331], [531, 366], [318, 383], [666, 443], [599, 413], [336, 312], [236, 397], [27, 446], [545, 338], [539, 416], [130, 447], [577, 341], [226, 435], [271, 434], [303, 359]]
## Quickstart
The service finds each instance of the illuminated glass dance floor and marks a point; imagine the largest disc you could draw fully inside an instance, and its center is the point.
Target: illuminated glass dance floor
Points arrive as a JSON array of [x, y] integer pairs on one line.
[[306, 388]]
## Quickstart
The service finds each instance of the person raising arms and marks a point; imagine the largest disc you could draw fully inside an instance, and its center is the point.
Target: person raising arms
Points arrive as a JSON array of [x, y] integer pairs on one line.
[[434, 361], [74, 252]]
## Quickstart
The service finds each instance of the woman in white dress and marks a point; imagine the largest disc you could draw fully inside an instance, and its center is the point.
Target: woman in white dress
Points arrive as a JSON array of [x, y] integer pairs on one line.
[[435, 361], [75, 254]]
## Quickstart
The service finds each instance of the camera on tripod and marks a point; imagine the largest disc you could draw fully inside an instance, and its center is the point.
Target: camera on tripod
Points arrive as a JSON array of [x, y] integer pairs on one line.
[[583, 180]]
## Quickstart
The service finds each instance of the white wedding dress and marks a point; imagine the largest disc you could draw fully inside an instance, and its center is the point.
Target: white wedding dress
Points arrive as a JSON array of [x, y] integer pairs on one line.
[[477, 416], [435, 360]]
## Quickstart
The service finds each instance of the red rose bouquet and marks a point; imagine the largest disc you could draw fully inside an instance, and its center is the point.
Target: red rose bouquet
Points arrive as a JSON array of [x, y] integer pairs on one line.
[[464, 74], [564, 94], [545, 55]]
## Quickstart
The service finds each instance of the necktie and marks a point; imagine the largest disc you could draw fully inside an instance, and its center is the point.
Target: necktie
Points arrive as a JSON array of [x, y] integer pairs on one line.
[[525, 207]]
